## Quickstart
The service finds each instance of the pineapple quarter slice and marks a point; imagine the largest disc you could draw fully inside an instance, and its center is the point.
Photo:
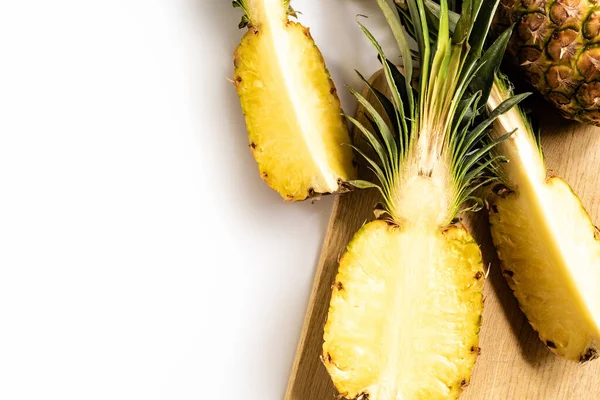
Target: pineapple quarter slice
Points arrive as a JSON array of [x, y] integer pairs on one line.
[[405, 313], [548, 245], [293, 114]]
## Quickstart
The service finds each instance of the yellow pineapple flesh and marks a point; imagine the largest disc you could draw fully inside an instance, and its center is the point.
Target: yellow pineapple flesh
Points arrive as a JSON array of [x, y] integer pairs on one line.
[[292, 111], [548, 245], [405, 313]]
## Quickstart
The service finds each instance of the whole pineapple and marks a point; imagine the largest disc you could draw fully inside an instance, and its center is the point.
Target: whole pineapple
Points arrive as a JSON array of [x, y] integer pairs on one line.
[[406, 306], [292, 110], [555, 43]]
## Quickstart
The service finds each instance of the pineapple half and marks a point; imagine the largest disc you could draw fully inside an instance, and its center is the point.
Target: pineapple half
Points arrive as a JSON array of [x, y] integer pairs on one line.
[[405, 311], [406, 305], [292, 111], [548, 245]]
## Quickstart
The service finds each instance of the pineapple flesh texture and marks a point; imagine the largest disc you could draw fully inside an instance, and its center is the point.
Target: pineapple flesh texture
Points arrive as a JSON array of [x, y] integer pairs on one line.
[[548, 245], [292, 111], [406, 307]]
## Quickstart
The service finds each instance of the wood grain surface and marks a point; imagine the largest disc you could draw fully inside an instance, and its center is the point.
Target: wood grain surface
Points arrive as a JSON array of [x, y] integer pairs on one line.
[[514, 364]]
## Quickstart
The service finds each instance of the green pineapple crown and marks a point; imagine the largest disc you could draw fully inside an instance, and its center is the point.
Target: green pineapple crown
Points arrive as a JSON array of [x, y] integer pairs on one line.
[[437, 130], [251, 13]]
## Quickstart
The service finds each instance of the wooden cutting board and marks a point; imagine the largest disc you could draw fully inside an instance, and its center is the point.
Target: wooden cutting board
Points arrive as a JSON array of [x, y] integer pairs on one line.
[[514, 364]]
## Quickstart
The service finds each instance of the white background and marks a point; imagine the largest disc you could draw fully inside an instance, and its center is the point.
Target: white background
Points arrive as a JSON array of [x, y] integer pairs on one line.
[[141, 255]]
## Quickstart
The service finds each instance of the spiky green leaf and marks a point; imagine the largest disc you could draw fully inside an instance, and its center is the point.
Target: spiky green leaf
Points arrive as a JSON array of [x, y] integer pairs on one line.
[[490, 61]]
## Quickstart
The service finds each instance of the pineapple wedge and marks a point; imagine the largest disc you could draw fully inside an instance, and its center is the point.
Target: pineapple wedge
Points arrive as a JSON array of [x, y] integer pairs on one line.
[[406, 305], [548, 245], [292, 111]]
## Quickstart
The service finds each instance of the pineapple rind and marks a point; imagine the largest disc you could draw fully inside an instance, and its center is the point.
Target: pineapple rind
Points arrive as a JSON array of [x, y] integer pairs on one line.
[[405, 313], [293, 115], [550, 256], [554, 44]]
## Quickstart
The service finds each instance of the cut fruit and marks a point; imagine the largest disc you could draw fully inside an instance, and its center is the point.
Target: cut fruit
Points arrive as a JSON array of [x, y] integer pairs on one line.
[[405, 313], [548, 245], [293, 115], [406, 305]]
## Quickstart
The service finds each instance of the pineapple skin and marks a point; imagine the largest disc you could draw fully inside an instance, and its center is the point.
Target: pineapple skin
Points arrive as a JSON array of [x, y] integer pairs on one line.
[[405, 313], [555, 46], [296, 159], [554, 287]]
